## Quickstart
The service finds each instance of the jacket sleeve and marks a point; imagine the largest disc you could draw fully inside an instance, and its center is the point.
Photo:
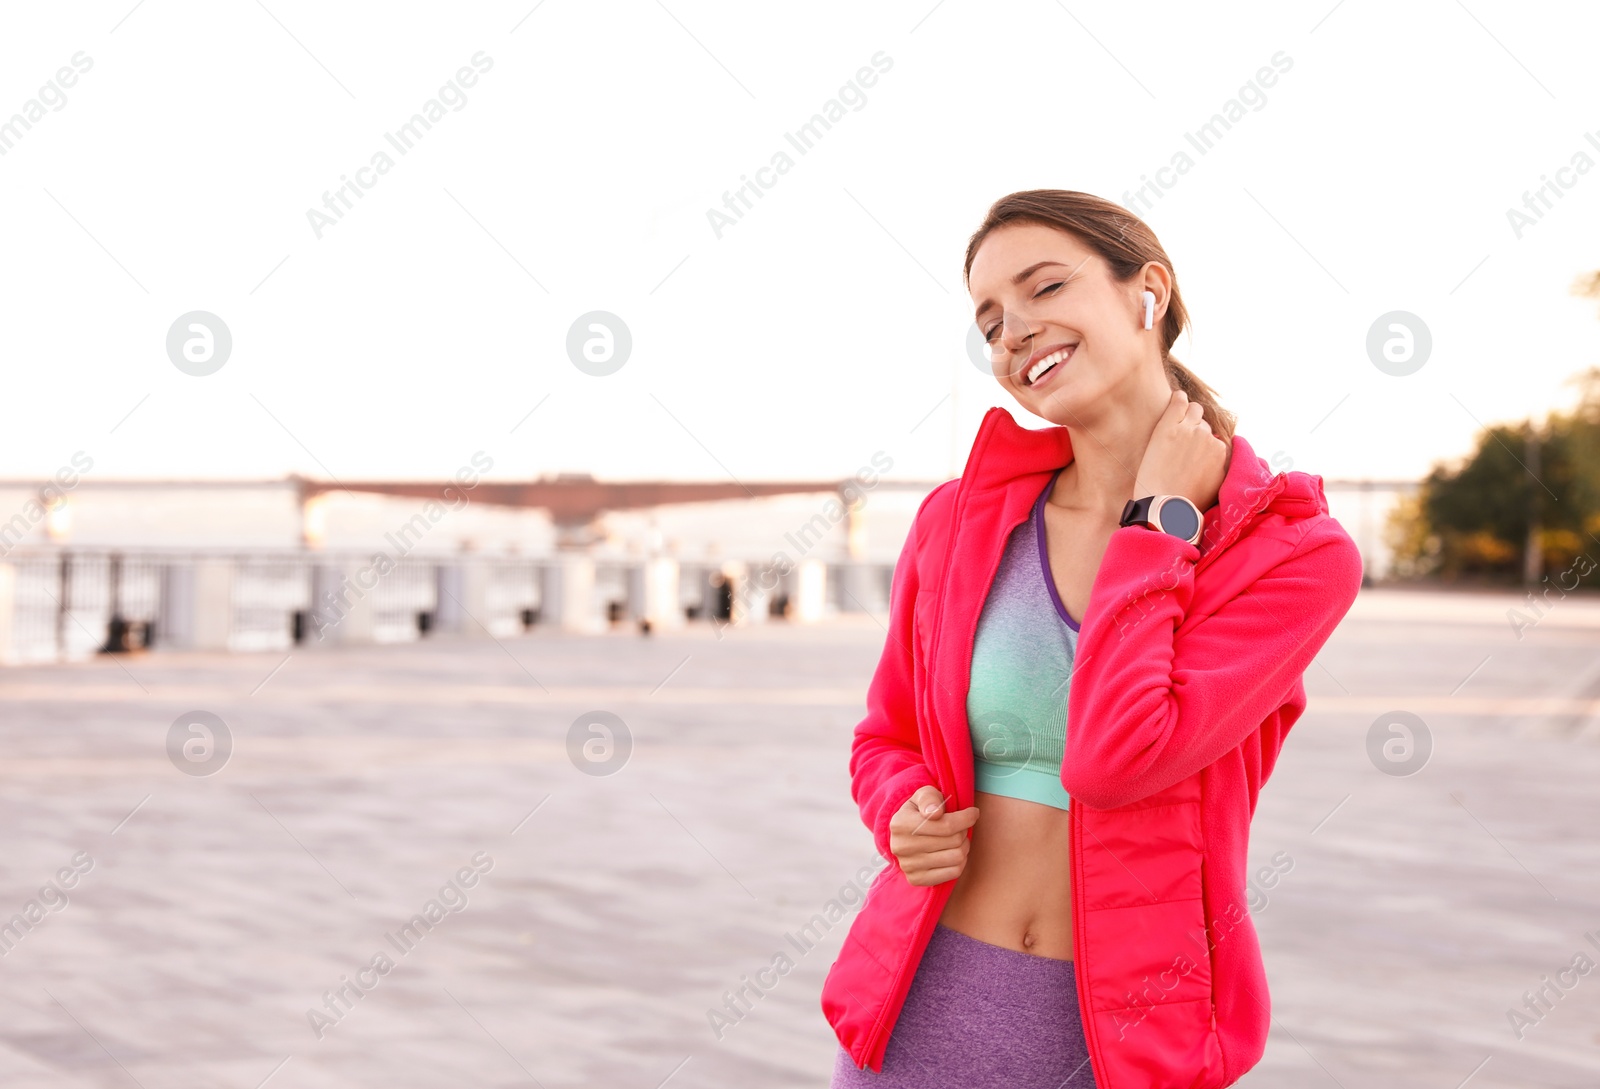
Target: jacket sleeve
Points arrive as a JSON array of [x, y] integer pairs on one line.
[[1149, 707], [886, 762]]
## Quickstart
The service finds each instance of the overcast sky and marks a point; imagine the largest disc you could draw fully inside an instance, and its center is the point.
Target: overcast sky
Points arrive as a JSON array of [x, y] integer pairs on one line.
[[424, 323]]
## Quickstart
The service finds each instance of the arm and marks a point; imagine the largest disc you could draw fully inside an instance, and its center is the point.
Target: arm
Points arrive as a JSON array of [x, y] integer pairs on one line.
[[1148, 707], [886, 764]]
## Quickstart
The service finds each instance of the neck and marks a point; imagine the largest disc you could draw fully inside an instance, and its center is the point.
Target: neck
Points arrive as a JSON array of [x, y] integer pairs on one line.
[[1108, 447]]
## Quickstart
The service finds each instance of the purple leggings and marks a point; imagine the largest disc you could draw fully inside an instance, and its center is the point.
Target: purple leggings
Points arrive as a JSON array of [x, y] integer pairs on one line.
[[981, 1015]]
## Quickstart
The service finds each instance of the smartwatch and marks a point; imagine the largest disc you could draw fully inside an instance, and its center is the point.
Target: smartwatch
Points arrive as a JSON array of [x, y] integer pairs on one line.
[[1174, 514]]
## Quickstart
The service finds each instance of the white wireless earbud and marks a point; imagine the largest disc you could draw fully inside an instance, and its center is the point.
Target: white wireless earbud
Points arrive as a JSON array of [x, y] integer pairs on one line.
[[1149, 298]]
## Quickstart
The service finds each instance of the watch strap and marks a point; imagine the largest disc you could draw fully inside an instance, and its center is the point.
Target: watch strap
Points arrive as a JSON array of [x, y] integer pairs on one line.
[[1136, 512]]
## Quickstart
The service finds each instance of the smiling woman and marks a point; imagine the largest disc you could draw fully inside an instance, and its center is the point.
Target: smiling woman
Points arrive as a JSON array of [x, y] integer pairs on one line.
[[1098, 255], [1097, 640]]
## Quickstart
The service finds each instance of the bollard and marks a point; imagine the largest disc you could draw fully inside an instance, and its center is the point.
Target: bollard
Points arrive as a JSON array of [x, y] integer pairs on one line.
[[196, 608], [809, 600], [660, 592], [861, 587], [341, 605], [463, 599], [577, 609], [8, 612]]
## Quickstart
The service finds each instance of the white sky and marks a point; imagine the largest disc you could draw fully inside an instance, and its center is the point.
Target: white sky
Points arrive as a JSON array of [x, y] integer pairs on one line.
[[807, 337]]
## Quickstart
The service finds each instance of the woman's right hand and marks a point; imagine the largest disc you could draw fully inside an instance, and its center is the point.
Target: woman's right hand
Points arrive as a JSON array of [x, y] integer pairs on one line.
[[930, 844]]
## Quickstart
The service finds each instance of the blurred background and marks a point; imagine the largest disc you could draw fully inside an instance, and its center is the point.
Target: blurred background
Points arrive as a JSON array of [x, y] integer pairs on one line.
[[478, 442]]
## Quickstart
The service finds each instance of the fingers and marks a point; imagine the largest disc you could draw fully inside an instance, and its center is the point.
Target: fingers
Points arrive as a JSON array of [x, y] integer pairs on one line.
[[1184, 456], [915, 856], [909, 819], [930, 844], [925, 805], [950, 824], [1183, 408], [1183, 412], [927, 801], [934, 877], [937, 860], [960, 820], [937, 867]]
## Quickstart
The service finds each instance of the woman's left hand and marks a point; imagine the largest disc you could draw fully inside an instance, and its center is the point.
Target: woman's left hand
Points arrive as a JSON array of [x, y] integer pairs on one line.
[[1183, 456]]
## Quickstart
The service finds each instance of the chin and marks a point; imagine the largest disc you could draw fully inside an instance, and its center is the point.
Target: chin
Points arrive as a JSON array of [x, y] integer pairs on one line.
[[1061, 410]]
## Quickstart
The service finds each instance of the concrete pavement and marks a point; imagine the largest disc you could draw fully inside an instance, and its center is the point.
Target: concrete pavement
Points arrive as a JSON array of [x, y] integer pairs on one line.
[[507, 899]]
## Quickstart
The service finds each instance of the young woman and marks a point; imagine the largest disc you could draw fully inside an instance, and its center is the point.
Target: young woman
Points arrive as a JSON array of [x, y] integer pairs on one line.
[[1097, 640]]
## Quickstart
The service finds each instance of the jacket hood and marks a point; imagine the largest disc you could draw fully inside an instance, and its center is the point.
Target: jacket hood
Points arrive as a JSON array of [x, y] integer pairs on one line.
[[1010, 450]]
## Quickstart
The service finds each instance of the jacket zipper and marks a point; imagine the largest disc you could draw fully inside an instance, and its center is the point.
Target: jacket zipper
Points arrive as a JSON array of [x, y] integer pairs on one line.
[[958, 507], [1091, 1038]]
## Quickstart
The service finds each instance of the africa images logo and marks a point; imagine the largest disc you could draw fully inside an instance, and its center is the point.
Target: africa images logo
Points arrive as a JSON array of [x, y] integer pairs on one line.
[[803, 139]]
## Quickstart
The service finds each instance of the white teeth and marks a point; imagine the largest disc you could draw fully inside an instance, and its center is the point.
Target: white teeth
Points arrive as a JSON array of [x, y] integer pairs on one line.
[[1046, 363]]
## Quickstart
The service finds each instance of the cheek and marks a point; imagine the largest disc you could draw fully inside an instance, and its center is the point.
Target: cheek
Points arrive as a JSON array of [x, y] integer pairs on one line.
[[1106, 317], [1096, 318], [1111, 338]]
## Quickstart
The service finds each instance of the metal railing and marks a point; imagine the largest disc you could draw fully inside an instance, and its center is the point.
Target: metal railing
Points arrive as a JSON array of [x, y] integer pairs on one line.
[[69, 604]]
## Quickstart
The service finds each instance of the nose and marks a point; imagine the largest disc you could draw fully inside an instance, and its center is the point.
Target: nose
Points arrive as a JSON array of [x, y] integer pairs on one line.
[[1016, 336]]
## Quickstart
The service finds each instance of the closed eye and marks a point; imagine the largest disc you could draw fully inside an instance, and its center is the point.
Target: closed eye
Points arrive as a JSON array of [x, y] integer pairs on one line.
[[1048, 289]]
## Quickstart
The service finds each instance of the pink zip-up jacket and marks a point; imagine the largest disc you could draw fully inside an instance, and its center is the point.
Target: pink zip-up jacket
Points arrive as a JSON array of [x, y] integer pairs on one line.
[[1187, 678]]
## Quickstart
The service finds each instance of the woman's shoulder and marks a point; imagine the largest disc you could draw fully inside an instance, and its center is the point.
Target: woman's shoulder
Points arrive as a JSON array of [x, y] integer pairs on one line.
[[936, 505], [930, 529], [1298, 529]]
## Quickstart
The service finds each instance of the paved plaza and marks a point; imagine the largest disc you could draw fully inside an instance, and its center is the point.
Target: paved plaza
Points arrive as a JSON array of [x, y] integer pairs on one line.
[[586, 901]]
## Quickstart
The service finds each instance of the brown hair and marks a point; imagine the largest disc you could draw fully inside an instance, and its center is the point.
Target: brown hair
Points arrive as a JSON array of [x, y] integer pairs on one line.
[[1126, 243]]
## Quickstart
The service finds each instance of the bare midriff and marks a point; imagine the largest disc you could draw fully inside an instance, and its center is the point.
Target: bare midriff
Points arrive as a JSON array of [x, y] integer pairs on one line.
[[1015, 890]]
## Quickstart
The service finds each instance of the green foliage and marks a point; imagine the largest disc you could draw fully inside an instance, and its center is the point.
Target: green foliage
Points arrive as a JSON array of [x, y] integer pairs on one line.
[[1471, 520]]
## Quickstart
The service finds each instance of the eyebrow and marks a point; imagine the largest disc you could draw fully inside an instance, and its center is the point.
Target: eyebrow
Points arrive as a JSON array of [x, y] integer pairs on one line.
[[1017, 279]]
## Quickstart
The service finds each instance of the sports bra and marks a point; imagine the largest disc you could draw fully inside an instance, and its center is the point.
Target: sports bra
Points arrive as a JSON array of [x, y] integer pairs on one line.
[[1021, 672]]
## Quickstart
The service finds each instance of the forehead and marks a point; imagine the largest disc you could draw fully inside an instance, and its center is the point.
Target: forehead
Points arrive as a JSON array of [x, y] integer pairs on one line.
[[1007, 251]]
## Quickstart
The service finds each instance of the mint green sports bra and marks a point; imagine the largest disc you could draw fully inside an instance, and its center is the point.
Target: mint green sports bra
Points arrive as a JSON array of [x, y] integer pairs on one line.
[[1021, 672]]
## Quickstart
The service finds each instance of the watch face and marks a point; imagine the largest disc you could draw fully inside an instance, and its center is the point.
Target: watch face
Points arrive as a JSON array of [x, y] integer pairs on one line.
[[1178, 518]]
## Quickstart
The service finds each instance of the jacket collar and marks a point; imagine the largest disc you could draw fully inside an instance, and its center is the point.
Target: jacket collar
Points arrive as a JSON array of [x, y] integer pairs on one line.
[[1004, 451]]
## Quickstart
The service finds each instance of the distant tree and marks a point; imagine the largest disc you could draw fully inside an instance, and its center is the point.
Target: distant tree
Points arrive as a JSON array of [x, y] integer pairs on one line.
[[1471, 519], [1587, 285], [1414, 549], [1582, 429]]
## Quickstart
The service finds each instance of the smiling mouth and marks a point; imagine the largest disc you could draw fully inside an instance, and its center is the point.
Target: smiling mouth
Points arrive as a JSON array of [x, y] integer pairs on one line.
[[1048, 363]]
